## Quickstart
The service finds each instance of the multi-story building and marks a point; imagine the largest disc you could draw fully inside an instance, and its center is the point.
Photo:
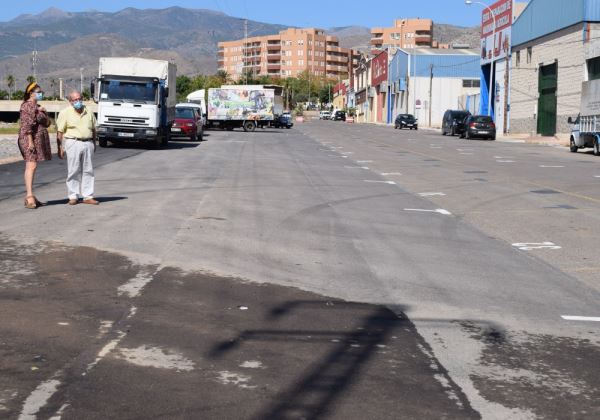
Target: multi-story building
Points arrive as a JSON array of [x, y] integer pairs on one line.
[[286, 54], [406, 33]]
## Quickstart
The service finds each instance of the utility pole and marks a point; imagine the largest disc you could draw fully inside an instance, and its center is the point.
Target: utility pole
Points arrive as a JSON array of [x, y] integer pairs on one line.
[[430, 90]]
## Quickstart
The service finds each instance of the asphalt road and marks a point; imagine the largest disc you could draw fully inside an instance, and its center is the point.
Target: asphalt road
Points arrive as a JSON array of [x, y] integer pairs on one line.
[[218, 280]]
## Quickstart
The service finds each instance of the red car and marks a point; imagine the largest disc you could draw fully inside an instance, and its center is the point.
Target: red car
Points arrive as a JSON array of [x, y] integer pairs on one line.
[[188, 123]]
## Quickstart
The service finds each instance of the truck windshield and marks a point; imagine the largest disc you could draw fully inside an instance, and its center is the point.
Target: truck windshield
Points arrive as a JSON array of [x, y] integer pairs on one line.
[[116, 90]]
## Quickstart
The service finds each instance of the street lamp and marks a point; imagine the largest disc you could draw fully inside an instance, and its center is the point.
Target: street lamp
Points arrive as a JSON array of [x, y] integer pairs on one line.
[[468, 3]]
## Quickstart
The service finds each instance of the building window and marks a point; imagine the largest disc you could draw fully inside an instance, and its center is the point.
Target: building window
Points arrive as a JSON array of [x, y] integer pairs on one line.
[[518, 59], [300, 42], [529, 53], [471, 83], [593, 68], [300, 62], [300, 53]]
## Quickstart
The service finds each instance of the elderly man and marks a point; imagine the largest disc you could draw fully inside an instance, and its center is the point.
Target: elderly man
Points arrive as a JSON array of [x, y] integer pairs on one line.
[[76, 135]]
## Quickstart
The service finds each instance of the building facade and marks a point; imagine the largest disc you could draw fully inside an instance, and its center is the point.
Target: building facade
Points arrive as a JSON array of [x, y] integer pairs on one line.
[[286, 54], [406, 33], [426, 82], [555, 49]]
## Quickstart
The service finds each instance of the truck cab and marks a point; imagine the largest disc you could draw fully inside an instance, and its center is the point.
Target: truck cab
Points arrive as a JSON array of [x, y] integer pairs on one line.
[[585, 132], [134, 102]]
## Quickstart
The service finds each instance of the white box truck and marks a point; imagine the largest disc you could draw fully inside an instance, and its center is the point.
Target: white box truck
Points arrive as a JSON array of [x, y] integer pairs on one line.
[[585, 129], [243, 106], [136, 100]]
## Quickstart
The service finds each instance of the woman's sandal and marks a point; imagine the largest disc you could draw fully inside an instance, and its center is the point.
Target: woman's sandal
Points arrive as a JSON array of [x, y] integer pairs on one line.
[[29, 205], [38, 202]]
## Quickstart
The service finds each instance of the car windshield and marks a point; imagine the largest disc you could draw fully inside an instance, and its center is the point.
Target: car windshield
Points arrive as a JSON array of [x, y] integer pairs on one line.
[[184, 113], [482, 119], [125, 91], [406, 117]]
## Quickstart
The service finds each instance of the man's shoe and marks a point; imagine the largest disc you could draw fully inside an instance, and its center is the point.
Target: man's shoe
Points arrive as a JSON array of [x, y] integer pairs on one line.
[[72, 201], [91, 201]]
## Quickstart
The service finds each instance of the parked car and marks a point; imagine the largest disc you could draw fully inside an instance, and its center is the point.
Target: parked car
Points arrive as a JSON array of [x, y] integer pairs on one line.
[[453, 122], [324, 115], [479, 126], [188, 122], [283, 121], [406, 121], [339, 116]]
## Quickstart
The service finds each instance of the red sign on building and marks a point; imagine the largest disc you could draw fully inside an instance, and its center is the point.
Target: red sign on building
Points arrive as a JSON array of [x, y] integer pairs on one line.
[[495, 39], [379, 68]]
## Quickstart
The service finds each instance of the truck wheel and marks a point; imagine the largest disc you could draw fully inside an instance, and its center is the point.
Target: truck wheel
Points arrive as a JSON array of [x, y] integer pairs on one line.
[[229, 128], [249, 126], [102, 142], [572, 146], [597, 147]]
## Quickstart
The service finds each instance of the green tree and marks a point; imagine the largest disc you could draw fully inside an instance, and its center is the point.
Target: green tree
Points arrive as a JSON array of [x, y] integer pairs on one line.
[[183, 86], [30, 79], [10, 81], [3, 94], [86, 94]]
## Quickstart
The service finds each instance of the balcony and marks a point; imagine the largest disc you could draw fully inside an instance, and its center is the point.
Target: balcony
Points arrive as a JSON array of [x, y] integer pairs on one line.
[[274, 56], [377, 41], [337, 58], [340, 69], [274, 47], [273, 66]]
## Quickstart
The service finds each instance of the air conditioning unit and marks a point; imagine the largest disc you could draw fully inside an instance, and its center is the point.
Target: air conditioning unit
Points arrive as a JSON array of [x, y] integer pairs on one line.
[[371, 93], [383, 87]]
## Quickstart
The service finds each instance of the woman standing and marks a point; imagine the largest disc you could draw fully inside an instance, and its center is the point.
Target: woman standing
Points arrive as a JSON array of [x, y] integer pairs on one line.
[[34, 142]]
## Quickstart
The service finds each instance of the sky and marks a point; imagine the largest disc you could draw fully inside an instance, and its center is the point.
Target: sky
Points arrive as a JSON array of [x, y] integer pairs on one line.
[[306, 13]]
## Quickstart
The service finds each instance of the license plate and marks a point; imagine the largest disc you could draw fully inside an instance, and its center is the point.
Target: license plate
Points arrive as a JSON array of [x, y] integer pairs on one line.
[[409, 125], [483, 132], [125, 134], [175, 130]]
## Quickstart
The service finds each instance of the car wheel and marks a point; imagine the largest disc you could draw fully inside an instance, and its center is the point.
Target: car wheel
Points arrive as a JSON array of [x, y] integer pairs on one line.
[[493, 138], [443, 132], [572, 146]]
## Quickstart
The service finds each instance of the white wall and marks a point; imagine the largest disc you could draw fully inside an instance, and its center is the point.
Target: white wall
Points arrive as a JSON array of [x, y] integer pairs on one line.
[[446, 94]]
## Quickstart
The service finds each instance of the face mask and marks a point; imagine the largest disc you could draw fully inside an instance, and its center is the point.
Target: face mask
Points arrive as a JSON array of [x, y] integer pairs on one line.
[[39, 96], [77, 105]]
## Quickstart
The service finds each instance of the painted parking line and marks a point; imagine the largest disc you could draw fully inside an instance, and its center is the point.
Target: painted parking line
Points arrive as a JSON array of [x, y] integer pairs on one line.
[[440, 211], [466, 153], [503, 157], [379, 182], [364, 161], [390, 173], [596, 176], [580, 318], [551, 166], [528, 246], [431, 194], [505, 161]]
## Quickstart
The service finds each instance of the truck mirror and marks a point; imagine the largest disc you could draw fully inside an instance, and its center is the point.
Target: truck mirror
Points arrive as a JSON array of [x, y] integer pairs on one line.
[[570, 120]]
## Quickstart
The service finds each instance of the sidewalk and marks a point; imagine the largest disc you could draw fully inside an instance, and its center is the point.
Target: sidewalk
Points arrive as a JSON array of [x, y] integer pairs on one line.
[[9, 151]]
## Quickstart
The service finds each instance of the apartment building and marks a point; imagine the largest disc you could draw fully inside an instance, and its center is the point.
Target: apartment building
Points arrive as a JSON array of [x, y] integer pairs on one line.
[[286, 54], [406, 33]]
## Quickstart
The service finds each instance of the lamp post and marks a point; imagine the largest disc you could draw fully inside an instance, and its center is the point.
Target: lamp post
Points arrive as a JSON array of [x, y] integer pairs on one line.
[[468, 3]]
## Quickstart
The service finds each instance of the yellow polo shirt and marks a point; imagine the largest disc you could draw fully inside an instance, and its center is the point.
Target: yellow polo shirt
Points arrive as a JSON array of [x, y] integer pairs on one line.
[[73, 124]]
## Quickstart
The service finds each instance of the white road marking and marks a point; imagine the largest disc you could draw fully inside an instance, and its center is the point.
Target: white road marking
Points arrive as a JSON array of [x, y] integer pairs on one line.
[[528, 246], [63, 324], [390, 173], [505, 161], [596, 176], [134, 286], [110, 346], [380, 182], [465, 150], [431, 194], [364, 161], [435, 147], [551, 166], [440, 211], [466, 153], [226, 377], [503, 157], [252, 364], [59, 413], [580, 318], [39, 398]]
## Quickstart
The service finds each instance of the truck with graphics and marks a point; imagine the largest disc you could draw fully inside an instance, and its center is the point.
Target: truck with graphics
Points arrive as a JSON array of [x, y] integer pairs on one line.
[[246, 107], [136, 100], [585, 129]]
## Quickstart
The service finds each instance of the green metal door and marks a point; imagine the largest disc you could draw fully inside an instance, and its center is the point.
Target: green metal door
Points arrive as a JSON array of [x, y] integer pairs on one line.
[[547, 84]]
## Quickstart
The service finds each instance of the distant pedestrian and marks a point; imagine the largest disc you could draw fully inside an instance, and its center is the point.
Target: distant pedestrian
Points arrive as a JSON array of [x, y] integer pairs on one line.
[[34, 142], [76, 130]]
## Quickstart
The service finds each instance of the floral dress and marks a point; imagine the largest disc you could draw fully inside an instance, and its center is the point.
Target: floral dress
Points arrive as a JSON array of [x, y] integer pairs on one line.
[[34, 122]]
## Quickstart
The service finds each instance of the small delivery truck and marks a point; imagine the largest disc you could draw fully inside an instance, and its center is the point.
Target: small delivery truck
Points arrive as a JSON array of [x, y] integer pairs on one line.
[[136, 100], [585, 129]]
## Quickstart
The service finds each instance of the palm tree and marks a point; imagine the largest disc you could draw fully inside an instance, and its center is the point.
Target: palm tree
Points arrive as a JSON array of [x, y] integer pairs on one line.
[[10, 81], [30, 79]]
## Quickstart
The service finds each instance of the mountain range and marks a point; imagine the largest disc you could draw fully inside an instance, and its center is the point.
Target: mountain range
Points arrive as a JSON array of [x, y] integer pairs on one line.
[[68, 44]]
